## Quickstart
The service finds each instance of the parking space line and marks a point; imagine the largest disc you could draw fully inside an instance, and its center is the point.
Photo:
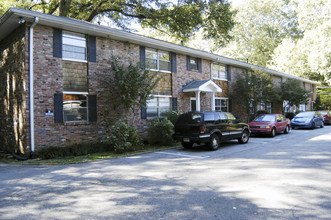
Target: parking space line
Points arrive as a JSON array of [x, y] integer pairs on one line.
[[183, 155]]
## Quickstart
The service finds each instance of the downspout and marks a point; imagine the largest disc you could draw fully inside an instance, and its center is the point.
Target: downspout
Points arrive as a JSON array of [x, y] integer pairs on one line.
[[31, 73]]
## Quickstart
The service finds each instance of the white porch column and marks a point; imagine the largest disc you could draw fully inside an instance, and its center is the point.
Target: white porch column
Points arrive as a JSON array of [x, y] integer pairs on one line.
[[197, 95], [213, 101]]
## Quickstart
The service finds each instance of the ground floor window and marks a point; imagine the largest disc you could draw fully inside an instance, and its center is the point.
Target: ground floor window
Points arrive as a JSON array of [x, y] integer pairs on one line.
[[157, 105], [221, 105], [302, 107], [75, 107]]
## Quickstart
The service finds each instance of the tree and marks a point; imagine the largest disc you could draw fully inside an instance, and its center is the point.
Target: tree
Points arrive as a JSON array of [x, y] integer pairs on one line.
[[309, 56], [253, 88], [260, 27], [129, 85], [323, 100], [181, 19], [293, 93]]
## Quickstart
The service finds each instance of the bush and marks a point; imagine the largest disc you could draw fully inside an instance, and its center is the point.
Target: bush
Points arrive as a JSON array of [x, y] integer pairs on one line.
[[160, 132], [124, 138], [73, 150], [290, 115], [261, 112], [172, 116]]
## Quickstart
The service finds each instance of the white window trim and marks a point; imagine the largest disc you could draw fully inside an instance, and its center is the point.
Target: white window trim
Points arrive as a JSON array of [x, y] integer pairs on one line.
[[211, 72], [87, 109], [220, 98], [75, 60], [159, 96], [158, 61], [73, 35], [75, 93]]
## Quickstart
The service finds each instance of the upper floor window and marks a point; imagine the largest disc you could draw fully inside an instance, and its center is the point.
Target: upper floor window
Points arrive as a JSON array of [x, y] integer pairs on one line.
[[73, 46], [157, 60], [219, 71], [193, 63]]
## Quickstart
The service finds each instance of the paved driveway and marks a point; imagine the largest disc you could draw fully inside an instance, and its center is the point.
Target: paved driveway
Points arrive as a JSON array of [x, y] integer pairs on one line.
[[286, 177]]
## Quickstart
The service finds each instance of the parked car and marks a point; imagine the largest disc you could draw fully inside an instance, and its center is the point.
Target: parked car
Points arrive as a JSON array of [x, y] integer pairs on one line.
[[326, 116], [210, 128], [270, 124], [309, 119]]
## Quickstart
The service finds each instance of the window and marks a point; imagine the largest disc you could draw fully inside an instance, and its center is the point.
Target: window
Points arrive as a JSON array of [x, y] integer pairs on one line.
[[73, 46], [302, 107], [219, 71], [221, 105], [252, 108], [157, 105], [157, 60], [74, 107], [194, 63], [268, 107]]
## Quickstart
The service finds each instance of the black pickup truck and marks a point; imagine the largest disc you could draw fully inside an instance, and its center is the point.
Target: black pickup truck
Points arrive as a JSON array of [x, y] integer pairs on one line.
[[210, 128]]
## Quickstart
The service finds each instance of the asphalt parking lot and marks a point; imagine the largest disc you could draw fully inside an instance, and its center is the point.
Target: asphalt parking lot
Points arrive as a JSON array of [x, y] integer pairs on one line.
[[285, 177]]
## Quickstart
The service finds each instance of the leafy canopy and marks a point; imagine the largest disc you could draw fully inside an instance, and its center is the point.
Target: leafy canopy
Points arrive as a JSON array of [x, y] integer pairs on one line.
[[181, 19], [293, 92]]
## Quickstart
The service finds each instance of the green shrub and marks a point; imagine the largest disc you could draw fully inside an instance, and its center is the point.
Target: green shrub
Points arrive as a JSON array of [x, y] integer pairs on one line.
[[290, 115], [261, 112], [160, 132], [124, 138], [172, 116], [73, 150]]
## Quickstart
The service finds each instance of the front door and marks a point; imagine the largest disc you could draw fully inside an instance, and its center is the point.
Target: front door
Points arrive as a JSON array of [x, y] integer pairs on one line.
[[193, 104]]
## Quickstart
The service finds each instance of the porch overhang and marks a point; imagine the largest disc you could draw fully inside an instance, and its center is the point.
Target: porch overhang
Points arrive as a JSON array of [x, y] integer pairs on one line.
[[207, 86]]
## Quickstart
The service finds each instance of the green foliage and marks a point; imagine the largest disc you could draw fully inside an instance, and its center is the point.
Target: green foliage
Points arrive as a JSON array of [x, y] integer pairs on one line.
[[124, 138], [160, 131], [73, 150], [323, 100], [129, 85], [293, 92], [172, 116], [290, 115], [261, 112], [254, 87], [180, 19]]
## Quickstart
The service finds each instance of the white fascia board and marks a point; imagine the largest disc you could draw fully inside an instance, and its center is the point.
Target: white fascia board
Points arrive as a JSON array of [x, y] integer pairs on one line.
[[103, 31]]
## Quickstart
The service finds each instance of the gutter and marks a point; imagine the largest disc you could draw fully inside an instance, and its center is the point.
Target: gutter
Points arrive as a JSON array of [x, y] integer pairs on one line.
[[103, 31], [31, 73]]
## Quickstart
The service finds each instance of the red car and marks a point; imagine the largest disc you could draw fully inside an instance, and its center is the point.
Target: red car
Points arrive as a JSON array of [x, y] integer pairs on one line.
[[270, 124], [327, 116]]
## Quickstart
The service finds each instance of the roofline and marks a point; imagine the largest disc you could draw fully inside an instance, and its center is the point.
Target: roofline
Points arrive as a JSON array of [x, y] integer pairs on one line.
[[104, 31]]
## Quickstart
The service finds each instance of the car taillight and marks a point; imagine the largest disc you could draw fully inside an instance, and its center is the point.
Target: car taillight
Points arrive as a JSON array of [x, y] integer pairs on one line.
[[202, 129]]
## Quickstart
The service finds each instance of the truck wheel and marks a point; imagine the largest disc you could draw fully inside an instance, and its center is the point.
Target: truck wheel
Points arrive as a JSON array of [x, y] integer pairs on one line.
[[244, 137], [214, 142]]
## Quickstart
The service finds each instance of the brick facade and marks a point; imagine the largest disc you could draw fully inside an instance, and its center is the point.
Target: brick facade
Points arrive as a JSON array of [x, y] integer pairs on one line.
[[54, 75]]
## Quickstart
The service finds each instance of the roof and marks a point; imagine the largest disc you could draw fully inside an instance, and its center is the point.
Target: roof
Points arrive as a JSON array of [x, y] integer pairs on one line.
[[9, 22], [202, 86]]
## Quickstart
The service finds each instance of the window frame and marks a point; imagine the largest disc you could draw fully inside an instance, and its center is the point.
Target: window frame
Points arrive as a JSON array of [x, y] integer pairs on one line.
[[75, 36], [86, 107], [220, 106], [158, 105], [218, 75], [157, 58]]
